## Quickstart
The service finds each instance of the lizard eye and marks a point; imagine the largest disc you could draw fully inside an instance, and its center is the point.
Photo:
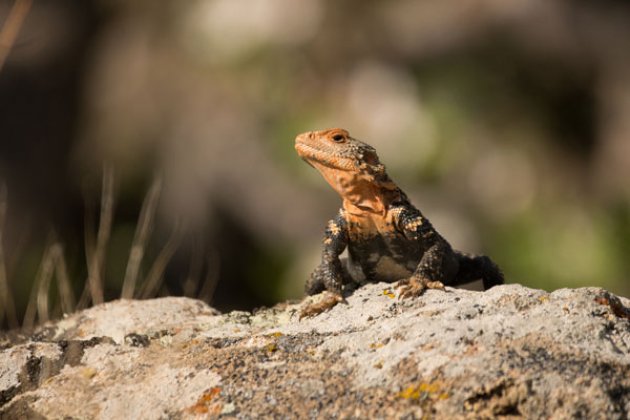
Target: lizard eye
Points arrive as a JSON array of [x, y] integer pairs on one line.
[[338, 138]]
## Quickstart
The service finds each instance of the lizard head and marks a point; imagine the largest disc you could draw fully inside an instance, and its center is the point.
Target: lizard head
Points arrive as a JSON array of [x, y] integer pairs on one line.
[[334, 149], [350, 166]]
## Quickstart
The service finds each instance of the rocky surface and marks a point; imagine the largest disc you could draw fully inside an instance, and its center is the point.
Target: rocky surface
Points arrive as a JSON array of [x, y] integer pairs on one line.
[[511, 351]]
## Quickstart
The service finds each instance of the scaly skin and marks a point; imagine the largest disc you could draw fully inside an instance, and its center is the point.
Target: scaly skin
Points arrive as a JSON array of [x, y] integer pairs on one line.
[[388, 239]]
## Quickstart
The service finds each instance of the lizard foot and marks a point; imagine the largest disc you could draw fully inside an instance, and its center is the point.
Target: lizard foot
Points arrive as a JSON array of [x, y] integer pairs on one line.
[[415, 286], [327, 301]]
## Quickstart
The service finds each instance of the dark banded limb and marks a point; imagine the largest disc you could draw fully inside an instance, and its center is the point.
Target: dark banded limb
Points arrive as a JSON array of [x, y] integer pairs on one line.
[[438, 265], [330, 275]]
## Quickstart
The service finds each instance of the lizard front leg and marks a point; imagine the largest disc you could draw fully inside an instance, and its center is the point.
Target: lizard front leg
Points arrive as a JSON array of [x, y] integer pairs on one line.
[[438, 264], [329, 275]]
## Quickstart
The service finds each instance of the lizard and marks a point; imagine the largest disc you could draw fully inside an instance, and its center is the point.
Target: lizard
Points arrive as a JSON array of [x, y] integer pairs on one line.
[[387, 238]]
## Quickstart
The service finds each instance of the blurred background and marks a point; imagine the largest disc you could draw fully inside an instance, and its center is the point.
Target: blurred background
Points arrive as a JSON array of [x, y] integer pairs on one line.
[[146, 148]]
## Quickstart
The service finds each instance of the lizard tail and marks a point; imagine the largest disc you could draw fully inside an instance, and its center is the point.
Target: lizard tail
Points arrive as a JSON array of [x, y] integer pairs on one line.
[[473, 268]]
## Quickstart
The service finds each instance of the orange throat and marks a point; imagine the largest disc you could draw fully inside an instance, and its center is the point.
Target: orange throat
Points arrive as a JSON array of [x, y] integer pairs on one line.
[[359, 192]]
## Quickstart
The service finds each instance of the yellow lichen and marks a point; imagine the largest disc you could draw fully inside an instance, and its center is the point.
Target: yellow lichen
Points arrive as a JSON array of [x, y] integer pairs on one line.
[[410, 393], [423, 390], [88, 372]]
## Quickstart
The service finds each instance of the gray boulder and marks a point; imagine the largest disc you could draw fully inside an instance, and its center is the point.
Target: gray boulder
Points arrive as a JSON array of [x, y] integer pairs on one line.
[[510, 351]]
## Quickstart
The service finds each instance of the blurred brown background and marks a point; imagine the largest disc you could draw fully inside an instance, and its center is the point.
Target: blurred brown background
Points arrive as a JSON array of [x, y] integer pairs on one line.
[[507, 123]]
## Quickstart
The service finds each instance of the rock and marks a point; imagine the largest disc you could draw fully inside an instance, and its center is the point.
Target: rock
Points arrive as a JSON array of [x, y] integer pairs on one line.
[[510, 351]]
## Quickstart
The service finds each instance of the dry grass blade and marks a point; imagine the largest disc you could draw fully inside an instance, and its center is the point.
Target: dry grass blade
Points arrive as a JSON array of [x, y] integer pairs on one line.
[[84, 299], [212, 277], [96, 263], [66, 294], [38, 300], [43, 281], [155, 275], [12, 26], [190, 285], [7, 307], [89, 242], [140, 238]]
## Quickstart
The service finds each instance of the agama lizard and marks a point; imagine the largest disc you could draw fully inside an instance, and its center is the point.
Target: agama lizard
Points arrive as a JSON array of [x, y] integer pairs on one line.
[[387, 238]]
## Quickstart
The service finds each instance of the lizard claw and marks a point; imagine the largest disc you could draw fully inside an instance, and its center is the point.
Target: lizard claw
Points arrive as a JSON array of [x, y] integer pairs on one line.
[[415, 286]]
